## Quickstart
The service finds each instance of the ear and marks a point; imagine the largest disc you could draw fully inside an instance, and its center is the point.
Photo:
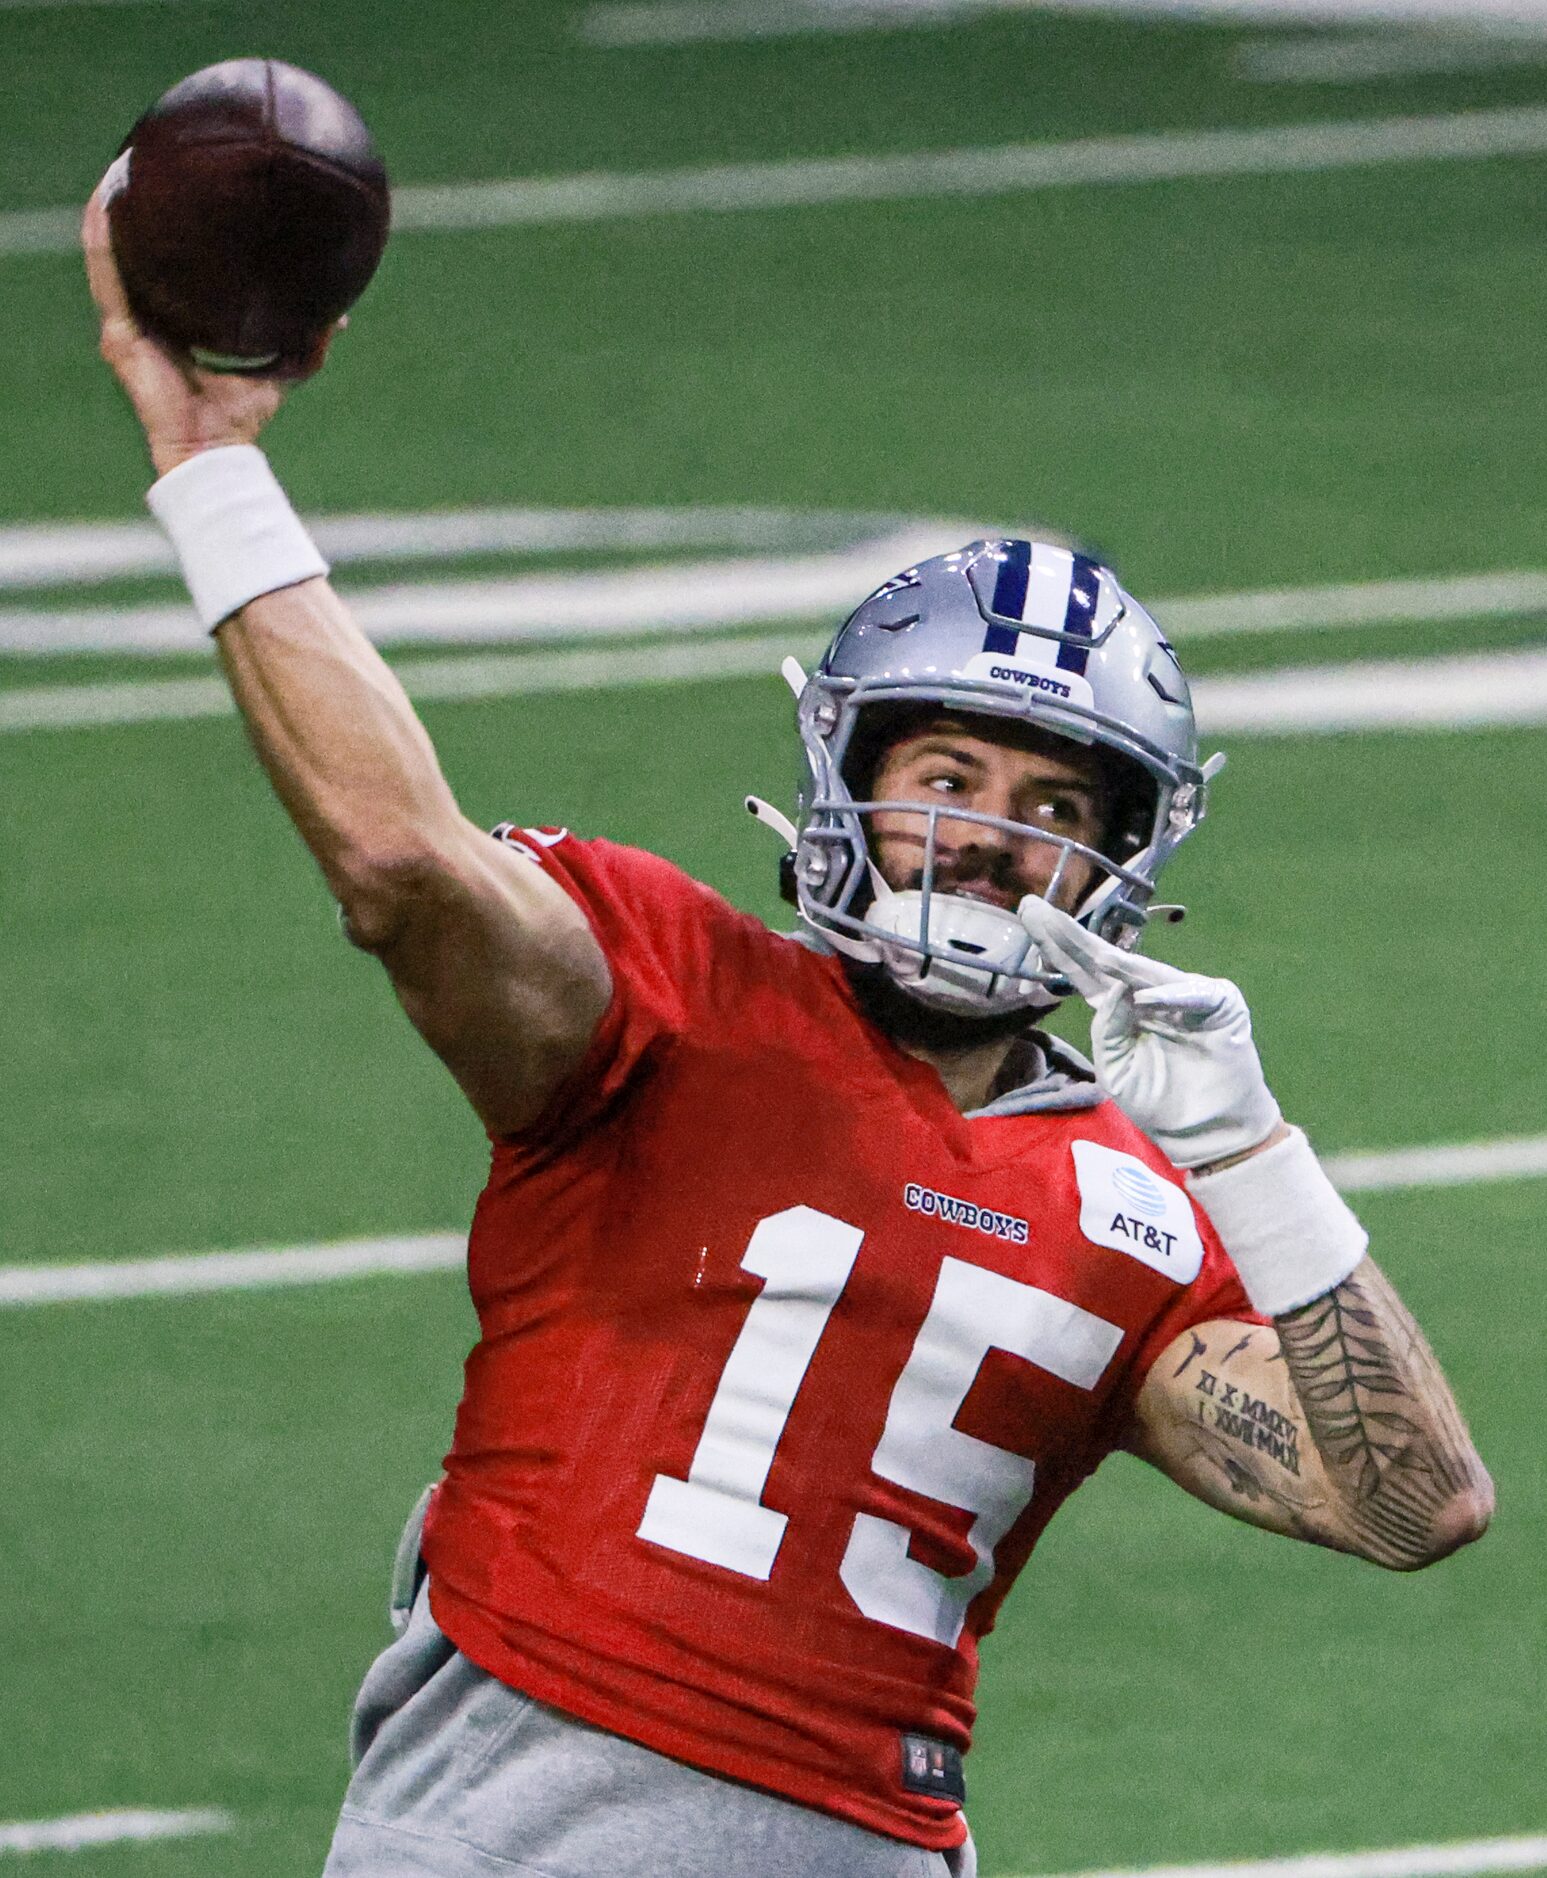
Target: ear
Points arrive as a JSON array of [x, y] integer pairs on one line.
[[314, 360]]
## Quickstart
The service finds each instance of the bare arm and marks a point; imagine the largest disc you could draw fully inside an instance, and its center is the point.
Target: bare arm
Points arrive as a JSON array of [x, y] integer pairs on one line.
[[1332, 1424], [493, 962]]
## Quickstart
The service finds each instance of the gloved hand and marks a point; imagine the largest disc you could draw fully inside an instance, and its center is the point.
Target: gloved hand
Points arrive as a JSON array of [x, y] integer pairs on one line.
[[1172, 1049]]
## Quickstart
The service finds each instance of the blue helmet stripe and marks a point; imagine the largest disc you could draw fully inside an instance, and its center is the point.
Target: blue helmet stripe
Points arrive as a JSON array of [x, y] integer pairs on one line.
[[1009, 600], [1010, 587], [1080, 614]]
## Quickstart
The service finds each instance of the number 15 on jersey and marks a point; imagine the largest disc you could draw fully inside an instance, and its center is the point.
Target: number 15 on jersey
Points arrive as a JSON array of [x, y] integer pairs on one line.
[[804, 1259]]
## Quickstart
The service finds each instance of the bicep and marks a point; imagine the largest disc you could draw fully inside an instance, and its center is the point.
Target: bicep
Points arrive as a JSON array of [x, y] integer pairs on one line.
[[500, 973], [1219, 1415]]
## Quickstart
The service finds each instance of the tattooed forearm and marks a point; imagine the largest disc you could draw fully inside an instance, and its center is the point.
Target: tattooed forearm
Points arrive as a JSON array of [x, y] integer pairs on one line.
[[1384, 1422], [1274, 1501]]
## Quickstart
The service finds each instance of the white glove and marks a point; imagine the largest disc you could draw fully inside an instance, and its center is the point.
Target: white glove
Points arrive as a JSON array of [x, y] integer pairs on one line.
[[1173, 1050]]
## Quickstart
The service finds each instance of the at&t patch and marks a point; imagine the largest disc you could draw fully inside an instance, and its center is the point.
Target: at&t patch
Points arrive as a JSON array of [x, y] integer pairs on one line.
[[1126, 1206]]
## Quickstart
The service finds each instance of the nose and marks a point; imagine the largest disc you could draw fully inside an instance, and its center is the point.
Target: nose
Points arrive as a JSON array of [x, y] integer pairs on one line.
[[1016, 864]]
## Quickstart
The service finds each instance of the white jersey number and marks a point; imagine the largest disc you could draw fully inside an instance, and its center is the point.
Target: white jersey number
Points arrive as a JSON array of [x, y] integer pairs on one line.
[[805, 1258]]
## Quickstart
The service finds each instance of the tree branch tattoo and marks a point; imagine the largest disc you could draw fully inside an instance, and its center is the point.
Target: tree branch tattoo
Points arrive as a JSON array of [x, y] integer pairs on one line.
[[1383, 1420]]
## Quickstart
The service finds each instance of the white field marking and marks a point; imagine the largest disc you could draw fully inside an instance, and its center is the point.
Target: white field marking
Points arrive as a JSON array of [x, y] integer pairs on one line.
[[1508, 595], [185, 1273], [1338, 13], [256, 1270], [1469, 691], [75, 1833], [803, 182], [1355, 58], [683, 22], [1468, 1859], [79, 554], [40, 231], [1472, 692], [602, 603], [21, 6], [1004, 169], [1524, 1157], [501, 675], [681, 596]]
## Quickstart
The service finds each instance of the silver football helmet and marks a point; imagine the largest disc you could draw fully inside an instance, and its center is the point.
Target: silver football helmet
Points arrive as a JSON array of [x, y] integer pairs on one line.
[[1020, 630]]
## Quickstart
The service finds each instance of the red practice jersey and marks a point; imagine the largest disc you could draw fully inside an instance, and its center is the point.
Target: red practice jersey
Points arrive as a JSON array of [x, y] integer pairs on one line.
[[785, 1364]]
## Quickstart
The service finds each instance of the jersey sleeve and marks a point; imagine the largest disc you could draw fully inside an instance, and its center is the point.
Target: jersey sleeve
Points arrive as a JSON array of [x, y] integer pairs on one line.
[[1216, 1292], [657, 928]]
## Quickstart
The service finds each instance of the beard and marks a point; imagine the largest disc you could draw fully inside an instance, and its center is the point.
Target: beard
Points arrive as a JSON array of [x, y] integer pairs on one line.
[[906, 1021]]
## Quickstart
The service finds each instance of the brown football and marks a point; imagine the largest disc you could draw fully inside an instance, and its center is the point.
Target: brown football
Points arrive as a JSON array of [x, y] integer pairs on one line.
[[248, 209]]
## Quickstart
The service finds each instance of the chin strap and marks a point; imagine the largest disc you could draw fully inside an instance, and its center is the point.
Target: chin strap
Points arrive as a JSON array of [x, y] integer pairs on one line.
[[776, 819], [773, 818]]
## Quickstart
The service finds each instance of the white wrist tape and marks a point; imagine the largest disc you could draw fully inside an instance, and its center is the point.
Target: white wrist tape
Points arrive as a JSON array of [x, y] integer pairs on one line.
[[1284, 1224], [234, 530]]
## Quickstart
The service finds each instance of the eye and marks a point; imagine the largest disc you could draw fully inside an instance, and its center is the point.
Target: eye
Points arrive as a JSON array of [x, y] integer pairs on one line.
[[1059, 811], [945, 782]]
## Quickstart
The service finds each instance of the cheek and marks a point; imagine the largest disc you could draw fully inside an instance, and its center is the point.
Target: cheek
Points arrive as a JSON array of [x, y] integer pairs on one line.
[[894, 825], [1079, 877]]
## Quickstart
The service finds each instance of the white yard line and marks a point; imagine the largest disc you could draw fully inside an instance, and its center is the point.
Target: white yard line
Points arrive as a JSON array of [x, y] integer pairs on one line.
[[1352, 59], [1521, 1158], [183, 1274], [1470, 691], [1005, 169], [257, 1270], [803, 182], [75, 1833], [1511, 594], [615, 602], [505, 675], [688, 22], [78, 554], [40, 231], [33, 6], [1474, 691], [1469, 1859], [605, 603]]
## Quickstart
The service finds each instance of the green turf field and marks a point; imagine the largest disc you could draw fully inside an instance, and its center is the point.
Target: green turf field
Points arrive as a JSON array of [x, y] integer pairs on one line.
[[1230, 384]]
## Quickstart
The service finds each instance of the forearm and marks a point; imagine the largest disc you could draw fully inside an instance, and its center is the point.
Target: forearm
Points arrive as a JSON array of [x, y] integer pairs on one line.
[[1408, 1484], [337, 735], [332, 726], [492, 960], [1402, 1483]]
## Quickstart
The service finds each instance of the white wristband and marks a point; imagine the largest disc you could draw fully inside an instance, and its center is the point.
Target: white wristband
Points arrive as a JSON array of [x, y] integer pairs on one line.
[[1284, 1224], [234, 530]]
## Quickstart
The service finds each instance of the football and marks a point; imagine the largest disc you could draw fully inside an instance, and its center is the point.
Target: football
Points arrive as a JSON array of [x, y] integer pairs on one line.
[[248, 209]]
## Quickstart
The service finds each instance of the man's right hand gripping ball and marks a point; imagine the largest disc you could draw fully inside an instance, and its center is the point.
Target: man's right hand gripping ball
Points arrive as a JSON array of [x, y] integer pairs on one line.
[[183, 410]]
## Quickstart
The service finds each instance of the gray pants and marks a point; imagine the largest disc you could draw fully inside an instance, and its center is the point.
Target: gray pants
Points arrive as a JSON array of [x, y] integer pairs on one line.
[[458, 1776]]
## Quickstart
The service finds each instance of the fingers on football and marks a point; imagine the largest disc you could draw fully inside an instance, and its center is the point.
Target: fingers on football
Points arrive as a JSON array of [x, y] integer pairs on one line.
[[120, 330], [101, 269]]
